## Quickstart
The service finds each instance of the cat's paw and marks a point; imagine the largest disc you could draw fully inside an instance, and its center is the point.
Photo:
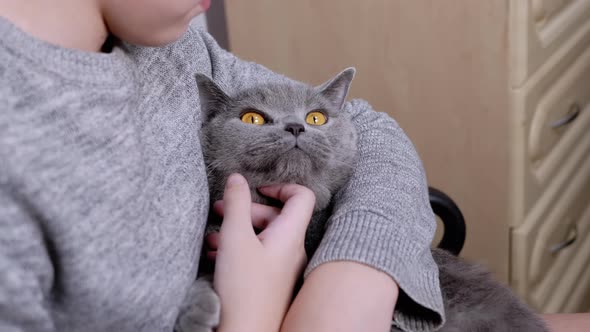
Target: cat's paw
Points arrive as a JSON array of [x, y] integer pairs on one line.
[[201, 310]]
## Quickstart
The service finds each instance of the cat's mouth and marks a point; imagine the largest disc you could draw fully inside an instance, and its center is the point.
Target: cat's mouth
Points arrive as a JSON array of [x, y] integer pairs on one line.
[[297, 149], [297, 146]]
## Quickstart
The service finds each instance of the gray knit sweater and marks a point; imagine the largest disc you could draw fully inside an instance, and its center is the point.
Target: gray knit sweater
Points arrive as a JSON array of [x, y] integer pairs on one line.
[[103, 193]]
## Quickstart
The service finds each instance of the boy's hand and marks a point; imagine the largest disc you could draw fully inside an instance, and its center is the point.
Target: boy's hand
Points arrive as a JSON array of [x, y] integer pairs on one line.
[[261, 216], [255, 275]]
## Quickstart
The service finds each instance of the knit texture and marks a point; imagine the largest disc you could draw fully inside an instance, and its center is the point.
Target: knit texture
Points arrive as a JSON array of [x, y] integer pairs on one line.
[[104, 198]]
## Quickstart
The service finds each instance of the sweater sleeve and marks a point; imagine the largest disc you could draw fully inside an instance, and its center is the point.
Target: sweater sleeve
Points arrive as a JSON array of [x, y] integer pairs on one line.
[[382, 217], [25, 270]]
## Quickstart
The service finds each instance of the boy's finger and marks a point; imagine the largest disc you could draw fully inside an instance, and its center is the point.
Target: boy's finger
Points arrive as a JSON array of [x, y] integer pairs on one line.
[[236, 207], [218, 208], [261, 214], [211, 255], [212, 240], [299, 203]]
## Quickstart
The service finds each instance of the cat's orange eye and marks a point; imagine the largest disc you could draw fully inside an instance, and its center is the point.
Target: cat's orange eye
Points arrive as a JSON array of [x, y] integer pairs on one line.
[[253, 118], [316, 118]]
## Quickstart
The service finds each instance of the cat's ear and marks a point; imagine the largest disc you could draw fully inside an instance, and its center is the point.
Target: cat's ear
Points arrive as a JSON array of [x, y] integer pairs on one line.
[[212, 97], [336, 89]]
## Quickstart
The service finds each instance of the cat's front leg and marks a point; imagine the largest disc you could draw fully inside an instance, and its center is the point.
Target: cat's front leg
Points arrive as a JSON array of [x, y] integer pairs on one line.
[[201, 309]]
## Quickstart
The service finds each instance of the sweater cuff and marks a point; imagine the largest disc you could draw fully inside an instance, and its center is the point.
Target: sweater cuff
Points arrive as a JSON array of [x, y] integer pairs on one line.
[[371, 239]]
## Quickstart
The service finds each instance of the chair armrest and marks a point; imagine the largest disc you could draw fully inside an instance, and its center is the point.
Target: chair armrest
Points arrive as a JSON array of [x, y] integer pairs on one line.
[[445, 208]]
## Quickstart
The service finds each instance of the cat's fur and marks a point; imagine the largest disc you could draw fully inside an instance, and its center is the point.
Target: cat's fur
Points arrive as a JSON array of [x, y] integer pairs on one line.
[[322, 158]]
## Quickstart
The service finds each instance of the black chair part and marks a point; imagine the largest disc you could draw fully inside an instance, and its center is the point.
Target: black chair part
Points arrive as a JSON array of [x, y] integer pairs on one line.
[[445, 208]]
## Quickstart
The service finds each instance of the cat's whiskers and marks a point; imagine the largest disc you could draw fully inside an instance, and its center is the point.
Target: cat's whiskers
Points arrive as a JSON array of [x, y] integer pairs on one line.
[[343, 163], [264, 143]]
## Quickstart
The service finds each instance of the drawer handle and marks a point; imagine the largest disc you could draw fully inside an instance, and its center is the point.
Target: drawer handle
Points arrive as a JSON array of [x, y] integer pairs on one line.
[[575, 110], [554, 249]]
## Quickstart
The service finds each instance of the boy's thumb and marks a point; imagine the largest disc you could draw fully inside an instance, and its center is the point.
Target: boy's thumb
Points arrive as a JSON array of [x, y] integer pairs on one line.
[[236, 205]]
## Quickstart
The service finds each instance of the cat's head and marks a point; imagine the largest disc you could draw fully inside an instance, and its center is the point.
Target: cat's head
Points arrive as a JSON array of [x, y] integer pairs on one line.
[[286, 132]]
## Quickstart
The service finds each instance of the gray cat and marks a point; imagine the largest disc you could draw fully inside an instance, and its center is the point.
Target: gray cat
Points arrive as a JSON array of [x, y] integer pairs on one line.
[[292, 132]]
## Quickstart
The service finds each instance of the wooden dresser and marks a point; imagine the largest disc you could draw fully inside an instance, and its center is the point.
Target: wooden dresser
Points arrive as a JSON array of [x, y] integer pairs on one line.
[[550, 153], [494, 94]]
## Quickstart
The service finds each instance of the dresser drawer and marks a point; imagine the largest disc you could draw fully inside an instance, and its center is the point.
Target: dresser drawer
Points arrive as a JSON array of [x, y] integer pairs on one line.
[[541, 29], [560, 233], [550, 116], [566, 283], [562, 227], [559, 117], [554, 231]]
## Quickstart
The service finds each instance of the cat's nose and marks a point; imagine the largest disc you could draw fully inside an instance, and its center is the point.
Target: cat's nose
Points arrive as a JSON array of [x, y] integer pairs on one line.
[[294, 128]]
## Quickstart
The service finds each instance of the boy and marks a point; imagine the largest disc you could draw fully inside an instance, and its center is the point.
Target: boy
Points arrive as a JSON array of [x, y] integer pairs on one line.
[[103, 194]]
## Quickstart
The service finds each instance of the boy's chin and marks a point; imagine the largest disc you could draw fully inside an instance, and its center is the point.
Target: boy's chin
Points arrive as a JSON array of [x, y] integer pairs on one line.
[[162, 38]]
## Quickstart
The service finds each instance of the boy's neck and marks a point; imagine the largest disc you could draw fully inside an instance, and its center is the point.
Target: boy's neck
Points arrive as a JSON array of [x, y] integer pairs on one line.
[[73, 24]]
